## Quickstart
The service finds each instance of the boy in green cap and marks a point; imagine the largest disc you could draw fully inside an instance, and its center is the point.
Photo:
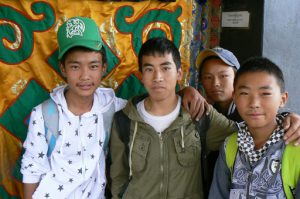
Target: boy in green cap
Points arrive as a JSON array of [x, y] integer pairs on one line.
[[70, 163]]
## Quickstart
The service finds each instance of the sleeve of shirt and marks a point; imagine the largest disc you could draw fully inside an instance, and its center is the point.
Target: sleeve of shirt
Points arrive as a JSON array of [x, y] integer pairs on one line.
[[35, 162], [219, 128], [119, 169], [220, 187], [120, 103]]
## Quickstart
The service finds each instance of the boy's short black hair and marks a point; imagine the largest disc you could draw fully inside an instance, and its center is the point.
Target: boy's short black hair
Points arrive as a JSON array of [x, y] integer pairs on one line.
[[159, 45], [102, 51], [261, 64]]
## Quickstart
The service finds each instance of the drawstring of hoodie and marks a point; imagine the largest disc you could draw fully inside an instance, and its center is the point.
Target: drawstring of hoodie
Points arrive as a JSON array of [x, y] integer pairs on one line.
[[182, 139], [130, 150]]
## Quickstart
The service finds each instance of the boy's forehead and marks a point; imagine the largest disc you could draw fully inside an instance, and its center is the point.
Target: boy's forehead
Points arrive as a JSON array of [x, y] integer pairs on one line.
[[257, 79], [155, 56], [79, 54]]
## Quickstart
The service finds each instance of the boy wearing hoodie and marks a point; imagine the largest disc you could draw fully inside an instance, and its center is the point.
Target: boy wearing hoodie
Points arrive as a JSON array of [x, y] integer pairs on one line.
[[255, 162], [75, 168]]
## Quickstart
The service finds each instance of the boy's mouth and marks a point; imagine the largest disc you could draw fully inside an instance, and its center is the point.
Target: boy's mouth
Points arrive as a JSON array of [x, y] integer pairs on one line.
[[85, 86]]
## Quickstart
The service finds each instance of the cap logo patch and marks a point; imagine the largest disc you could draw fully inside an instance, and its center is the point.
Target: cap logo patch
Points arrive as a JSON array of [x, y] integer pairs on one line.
[[75, 27]]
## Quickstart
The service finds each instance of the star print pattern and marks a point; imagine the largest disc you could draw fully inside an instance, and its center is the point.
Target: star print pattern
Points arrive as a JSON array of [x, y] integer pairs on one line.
[[60, 187], [77, 150]]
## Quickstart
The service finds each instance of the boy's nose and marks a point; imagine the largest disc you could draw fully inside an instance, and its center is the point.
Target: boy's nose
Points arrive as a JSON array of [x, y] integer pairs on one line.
[[84, 73], [157, 76], [254, 102], [216, 81]]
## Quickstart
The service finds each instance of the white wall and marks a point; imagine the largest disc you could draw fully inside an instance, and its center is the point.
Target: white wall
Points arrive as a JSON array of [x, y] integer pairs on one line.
[[281, 43]]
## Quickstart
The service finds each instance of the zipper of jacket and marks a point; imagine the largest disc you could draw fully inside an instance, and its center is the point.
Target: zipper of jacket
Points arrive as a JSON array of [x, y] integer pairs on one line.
[[82, 148], [161, 162], [249, 182]]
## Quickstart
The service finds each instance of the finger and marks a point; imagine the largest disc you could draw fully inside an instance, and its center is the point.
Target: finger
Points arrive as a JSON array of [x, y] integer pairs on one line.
[[186, 104], [207, 108], [287, 123], [295, 136], [194, 110], [201, 110]]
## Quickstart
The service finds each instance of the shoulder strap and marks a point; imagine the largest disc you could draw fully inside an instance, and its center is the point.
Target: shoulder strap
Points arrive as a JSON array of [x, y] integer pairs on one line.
[[50, 115], [107, 120], [231, 150], [202, 126], [123, 126], [290, 169]]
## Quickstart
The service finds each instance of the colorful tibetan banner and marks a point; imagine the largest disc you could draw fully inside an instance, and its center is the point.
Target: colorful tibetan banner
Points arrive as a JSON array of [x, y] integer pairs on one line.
[[29, 66]]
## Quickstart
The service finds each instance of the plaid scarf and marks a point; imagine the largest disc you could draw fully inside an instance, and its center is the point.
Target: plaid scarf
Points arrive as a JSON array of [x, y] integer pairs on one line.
[[246, 142]]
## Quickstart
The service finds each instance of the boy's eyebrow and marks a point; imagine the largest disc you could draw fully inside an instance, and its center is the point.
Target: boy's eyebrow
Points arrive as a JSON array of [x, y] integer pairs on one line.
[[78, 62], [162, 64], [243, 87], [165, 63], [260, 88], [265, 88], [147, 65]]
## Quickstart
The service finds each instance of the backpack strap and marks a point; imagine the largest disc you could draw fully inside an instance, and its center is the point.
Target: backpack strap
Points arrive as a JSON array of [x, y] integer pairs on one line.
[[231, 151], [123, 126], [107, 120], [50, 115], [290, 169], [207, 170]]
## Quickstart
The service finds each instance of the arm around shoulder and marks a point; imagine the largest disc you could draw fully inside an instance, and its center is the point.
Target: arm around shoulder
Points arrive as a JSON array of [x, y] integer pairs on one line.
[[220, 127]]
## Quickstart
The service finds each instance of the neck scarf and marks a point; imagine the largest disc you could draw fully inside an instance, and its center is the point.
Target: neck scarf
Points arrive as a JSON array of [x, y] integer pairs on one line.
[[246, 142]]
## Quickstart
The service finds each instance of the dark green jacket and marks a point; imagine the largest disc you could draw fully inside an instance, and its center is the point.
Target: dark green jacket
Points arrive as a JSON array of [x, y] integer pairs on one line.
[[163, 166]]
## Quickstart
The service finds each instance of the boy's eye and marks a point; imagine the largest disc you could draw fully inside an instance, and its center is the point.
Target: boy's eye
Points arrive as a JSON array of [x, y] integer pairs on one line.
[[147, 69], [266, 94], [224, 76], [74, 67], [166, 68], [94, 66], [206, 77], [243, 93]]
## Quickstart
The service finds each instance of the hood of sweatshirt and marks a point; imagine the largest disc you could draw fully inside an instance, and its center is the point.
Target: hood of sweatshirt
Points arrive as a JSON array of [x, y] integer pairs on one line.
[[103, 98]]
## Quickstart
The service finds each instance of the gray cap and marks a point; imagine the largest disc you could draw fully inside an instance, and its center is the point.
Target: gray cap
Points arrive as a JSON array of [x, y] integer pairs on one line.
[[225, 55]]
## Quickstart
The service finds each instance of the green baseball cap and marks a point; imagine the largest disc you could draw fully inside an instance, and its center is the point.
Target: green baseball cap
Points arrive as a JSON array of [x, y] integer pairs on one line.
[[78, 31]]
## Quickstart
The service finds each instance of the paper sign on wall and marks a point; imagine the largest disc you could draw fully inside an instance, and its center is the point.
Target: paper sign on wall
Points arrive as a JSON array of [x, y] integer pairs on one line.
[[239, 19]]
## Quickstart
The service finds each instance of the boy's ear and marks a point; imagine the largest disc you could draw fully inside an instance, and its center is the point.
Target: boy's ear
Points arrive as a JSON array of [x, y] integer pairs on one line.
[[284, 99], [62, 69], [233, 97], [104, 68], [179, 74]]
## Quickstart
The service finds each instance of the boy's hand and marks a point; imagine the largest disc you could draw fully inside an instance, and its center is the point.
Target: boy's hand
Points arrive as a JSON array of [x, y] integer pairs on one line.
[[194, 103], [292, 126]]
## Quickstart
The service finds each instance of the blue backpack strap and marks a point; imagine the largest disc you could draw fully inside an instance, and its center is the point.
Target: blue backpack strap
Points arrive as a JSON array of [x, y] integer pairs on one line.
[[107, 120], [50, 115]]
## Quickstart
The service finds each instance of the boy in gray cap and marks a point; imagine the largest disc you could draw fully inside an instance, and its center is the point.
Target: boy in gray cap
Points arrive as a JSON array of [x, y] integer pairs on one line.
[[217, 68]]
